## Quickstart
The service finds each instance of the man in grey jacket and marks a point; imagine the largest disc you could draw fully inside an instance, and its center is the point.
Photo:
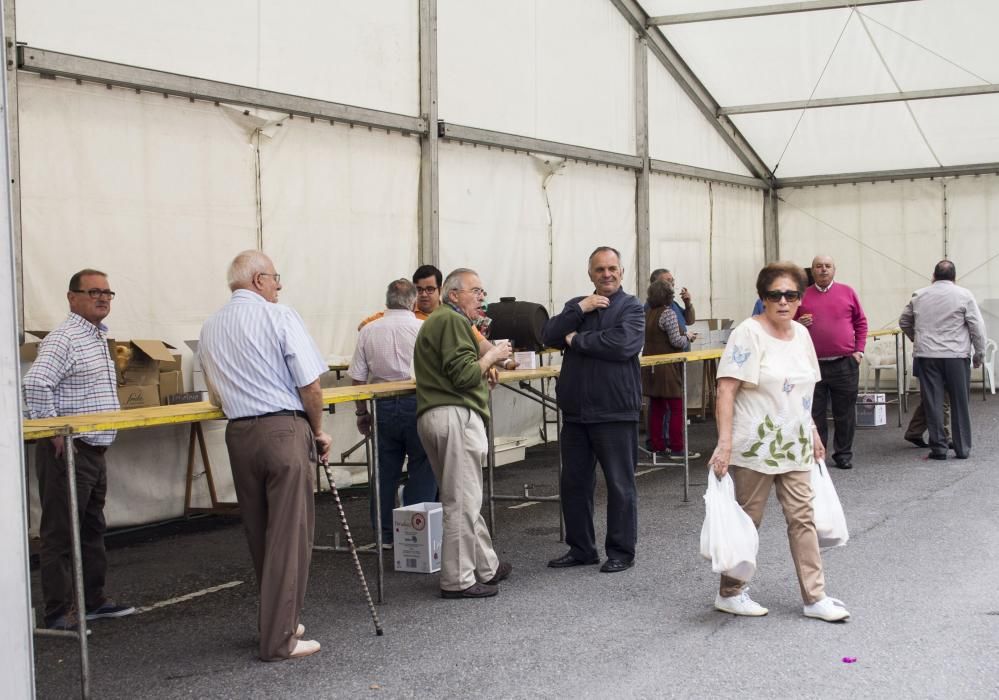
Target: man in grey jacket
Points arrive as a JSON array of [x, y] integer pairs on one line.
[[946, 327]]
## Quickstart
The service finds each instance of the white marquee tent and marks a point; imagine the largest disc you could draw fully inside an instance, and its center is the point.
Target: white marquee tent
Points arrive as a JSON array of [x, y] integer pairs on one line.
[[352, 141]]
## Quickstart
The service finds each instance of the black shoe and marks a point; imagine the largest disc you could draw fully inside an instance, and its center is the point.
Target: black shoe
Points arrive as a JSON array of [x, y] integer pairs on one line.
[[950, 446], [843, 465], [937, 455], [567, 560], [918, 441], [502, 571], [612, 566], [964, 456], [476, 590]]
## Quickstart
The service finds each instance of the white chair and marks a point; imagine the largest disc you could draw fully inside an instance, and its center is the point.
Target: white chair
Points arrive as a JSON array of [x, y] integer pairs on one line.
[[989, 365], [879, 356]]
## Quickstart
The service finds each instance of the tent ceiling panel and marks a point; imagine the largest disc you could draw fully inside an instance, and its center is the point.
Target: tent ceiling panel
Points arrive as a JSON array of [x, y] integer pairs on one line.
[[304, 52], [679, 133], [884, 48], [961, 129], [536, 73], [836, 140]]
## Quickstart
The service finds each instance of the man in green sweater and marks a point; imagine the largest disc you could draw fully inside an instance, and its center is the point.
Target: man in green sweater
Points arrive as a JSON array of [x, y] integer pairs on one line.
[[452, 405]]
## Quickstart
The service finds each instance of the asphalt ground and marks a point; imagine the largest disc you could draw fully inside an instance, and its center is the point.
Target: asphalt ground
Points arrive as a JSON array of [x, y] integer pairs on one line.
[[916, 576]]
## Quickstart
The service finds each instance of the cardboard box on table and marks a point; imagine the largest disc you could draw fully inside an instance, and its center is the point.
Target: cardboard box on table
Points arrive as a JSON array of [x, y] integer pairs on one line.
[[418, 530], [139, 374], [871, 411]]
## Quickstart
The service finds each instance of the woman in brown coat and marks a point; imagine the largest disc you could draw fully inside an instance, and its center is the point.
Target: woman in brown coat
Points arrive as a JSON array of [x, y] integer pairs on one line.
[[663, 384]]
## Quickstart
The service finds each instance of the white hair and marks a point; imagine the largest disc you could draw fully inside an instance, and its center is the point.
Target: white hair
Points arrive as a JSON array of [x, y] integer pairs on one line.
[[244, 267], [454, 281]]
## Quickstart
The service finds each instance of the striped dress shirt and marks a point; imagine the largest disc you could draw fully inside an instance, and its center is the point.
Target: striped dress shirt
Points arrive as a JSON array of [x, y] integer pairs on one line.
[[73, 374], [384, 351], [256, 355]]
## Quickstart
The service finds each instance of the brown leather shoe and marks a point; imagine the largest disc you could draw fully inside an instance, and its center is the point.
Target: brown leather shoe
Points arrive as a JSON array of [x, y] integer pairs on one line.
[[476, 590], [502, 572]]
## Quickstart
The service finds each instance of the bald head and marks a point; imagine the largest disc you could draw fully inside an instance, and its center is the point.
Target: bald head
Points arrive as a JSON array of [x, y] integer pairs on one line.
[[823, 270]]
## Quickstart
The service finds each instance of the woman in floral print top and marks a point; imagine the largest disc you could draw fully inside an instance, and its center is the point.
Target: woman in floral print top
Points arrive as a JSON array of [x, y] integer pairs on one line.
[[766, 438]]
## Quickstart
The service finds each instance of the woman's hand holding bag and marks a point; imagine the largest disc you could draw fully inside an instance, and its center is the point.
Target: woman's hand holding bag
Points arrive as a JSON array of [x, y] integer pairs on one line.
[[827, 511], [728, 537]]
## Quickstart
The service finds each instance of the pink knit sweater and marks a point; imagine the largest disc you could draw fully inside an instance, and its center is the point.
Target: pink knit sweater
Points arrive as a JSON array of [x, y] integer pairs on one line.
[[839, 326]]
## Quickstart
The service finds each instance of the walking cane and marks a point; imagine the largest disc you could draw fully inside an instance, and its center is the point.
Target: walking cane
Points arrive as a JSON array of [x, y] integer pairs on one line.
[[353, 550]]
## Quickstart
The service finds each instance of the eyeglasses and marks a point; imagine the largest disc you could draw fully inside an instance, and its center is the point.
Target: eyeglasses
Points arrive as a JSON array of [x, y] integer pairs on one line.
[[426, 290], [792, 295], [277, 277], [95, 293], [477, 291]]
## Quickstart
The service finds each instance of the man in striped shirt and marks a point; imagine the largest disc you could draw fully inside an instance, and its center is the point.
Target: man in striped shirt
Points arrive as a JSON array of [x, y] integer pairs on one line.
[[74, 374], [263, 368]]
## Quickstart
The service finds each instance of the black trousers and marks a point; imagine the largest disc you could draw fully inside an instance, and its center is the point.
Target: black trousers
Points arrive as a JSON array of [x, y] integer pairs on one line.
[[950, 375], [838, 386], [615, 446], [56, 553]]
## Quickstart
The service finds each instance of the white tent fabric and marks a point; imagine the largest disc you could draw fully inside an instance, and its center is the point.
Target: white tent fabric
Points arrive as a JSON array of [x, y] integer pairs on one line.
[[560, 70], [335, 50], [846, 52], [339, 209], [711, 237], [677, 130], [157, 193], [885, 238]]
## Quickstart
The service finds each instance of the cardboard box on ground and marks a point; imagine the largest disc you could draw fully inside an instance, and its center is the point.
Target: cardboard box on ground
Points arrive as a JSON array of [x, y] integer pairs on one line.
[[418, 530], [871, 410]]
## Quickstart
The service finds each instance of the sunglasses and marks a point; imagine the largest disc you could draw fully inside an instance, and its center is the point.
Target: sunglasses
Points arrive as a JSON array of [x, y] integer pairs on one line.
[[791, 295]]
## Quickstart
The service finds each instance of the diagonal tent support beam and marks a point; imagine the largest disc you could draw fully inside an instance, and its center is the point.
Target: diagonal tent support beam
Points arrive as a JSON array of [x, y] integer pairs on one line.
[[878, 98], [765, 10], [883, 175], [688, 81]]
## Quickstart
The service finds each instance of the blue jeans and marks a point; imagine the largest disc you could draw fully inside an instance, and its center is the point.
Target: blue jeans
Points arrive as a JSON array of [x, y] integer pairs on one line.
[[398, 439]]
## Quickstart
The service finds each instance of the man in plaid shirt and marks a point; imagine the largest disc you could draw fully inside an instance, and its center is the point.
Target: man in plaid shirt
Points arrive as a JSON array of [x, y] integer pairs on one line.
[[74, 374]]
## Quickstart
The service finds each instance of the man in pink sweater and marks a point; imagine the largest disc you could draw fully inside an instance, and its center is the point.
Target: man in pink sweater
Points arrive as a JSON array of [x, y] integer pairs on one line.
[[838, 326]]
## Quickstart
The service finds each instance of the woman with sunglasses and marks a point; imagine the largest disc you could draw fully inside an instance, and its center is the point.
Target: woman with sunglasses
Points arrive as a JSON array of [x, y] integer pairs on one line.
[[766, 438]]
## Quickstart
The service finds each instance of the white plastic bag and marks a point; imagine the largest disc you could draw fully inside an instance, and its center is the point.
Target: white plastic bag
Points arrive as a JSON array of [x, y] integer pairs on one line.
[[728, 537], [827, 511]]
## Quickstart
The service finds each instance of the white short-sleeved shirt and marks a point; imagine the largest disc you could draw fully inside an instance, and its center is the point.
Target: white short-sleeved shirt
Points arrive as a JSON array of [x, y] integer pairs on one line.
[[772, 422]]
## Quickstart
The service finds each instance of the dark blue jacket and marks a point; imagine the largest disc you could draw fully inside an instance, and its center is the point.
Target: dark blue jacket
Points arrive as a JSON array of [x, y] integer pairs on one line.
[[600, 381]]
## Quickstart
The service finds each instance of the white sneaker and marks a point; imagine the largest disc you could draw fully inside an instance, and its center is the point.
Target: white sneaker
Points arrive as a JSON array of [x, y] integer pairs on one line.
[[740, 604], [828, 609]]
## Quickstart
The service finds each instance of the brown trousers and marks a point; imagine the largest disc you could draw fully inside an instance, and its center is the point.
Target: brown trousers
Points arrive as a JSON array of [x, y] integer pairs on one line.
[[794, 492], [56, 552], [272, 468]]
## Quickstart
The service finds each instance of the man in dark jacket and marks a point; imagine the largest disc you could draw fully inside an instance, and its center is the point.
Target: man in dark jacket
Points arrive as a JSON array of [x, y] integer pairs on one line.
[[600, 395]]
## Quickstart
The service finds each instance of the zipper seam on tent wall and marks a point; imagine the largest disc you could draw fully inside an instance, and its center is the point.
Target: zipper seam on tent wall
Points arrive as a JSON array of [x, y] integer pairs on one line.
[[258, 191], [946, 231], [711, 250]]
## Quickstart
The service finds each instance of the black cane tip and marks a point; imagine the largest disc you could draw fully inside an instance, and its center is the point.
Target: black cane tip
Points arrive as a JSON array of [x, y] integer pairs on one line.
[[380, 632]]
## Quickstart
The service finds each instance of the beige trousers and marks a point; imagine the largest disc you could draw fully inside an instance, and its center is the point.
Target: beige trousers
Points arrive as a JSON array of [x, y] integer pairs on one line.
[[455, 441], [917, 424], [794, 492]]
